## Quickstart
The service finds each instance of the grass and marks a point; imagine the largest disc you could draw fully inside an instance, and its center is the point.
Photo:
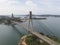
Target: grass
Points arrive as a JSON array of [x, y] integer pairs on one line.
[[33, 40], [54, 38]]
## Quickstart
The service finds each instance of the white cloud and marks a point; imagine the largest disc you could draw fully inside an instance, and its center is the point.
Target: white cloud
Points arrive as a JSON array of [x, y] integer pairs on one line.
[[1, 1], [21, 7], [49, 6], [7, 7], [30, 3], [31, 6]]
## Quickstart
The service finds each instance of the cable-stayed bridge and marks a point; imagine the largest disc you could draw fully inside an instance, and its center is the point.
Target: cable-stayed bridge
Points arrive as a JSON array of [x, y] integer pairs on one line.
[[31, 30], [30, 17]]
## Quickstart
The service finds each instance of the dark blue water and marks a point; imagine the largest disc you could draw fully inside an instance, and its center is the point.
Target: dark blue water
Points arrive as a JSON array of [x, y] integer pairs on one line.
[[10, 35]]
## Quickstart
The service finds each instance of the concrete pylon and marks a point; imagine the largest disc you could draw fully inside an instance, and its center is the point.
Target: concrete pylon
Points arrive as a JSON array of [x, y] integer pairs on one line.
[[12, 15], [30, 23]]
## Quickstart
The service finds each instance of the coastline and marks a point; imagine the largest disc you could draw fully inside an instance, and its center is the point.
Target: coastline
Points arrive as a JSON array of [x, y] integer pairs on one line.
[[22, 40]]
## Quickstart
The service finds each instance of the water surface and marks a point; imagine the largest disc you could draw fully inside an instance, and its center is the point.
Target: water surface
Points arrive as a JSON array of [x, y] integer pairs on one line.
[[10, 35]]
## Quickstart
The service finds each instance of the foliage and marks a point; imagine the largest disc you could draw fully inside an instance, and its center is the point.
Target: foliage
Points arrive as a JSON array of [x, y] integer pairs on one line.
[[54, 38], [33, 40]]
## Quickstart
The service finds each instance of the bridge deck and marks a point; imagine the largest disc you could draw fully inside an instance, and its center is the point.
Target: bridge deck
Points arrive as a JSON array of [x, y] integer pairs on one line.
[[45, 38]]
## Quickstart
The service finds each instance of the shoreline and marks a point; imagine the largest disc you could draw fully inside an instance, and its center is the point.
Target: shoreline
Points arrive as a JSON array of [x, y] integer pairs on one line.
[[22, 40]]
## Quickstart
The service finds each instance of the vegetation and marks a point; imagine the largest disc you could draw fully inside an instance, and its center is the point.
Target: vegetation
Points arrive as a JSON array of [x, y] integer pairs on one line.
[[42, 33], [17, 20], [54, 38], [2, 20], [33, 40]]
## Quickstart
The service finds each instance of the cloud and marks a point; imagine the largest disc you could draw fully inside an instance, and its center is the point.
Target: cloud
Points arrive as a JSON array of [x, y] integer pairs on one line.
[[1, 1], [30, 3], [31, 6], [9, 6], [49, 6], [23, 6]]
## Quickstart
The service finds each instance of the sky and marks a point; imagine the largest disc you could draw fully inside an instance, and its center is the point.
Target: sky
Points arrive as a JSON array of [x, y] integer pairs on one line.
[[24, 6]]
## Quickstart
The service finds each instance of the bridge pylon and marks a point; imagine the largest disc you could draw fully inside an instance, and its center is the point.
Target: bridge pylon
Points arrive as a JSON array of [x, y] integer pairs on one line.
[[30, 22]]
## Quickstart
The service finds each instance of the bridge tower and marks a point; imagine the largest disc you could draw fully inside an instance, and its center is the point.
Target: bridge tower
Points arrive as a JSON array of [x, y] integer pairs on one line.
[[12, 15], [30, 15], [30, 24]]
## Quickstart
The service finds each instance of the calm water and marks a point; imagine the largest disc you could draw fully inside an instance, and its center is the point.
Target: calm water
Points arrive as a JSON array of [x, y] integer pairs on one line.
[[10, 35]]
